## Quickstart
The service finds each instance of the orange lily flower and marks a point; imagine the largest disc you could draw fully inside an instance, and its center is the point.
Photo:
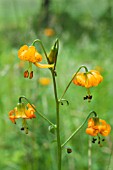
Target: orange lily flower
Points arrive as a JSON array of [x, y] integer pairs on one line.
[[24, 112], [87, 80], [98, 127], [30, 54]]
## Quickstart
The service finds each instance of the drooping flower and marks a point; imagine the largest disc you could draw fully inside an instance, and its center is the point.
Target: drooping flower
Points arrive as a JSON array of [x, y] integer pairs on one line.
[[24, 112], [30, 54], [87, 80], [98, 126]]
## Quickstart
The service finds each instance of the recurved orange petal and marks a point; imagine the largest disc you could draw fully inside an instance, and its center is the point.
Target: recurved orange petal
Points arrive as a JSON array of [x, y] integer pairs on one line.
[[12, 116], [90, 122], [92, 81], [97, 76], [30, 113], [104, 128], [92, 132], [38, 57], [79, 79], [22, 51], [30, 54]]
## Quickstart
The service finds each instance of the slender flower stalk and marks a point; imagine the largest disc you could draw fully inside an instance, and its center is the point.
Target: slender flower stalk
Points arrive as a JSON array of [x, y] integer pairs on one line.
[[57, 122], [56, 100], [40, 42], [72, 80], [56, 48], [45, 118], [78, 129]]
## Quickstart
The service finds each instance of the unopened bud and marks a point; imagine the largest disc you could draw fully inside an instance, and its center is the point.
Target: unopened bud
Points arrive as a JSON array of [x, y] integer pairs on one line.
[[52, 55]]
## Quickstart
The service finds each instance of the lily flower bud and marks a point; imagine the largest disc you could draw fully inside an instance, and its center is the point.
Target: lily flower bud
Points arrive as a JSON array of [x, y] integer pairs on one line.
[[52, 57]]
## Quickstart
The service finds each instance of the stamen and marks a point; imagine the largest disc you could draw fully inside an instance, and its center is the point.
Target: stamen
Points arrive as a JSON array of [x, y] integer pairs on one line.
[[26, 130], [22, 128], [93, 140], [98, 139], [99, 142], [31, 75], [90, 97], [86, 97], [26, 74]]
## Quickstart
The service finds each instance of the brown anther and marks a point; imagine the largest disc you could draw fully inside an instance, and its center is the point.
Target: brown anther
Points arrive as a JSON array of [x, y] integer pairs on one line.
[[26, 74], [93, 140], [86, 97], [31, 75], [22, 128], [89, 97], [99, 142]]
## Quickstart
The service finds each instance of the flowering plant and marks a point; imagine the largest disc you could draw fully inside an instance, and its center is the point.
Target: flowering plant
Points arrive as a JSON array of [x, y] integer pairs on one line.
[[96, 126]]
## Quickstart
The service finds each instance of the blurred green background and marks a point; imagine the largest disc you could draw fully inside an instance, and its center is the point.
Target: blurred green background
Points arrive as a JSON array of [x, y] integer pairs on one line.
[[85, 32]]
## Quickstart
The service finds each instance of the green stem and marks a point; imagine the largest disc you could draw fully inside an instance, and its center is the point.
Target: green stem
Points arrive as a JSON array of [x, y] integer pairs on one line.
[[40, 42], [77, 130], [45, 118], [58, 122], [72, 80]]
